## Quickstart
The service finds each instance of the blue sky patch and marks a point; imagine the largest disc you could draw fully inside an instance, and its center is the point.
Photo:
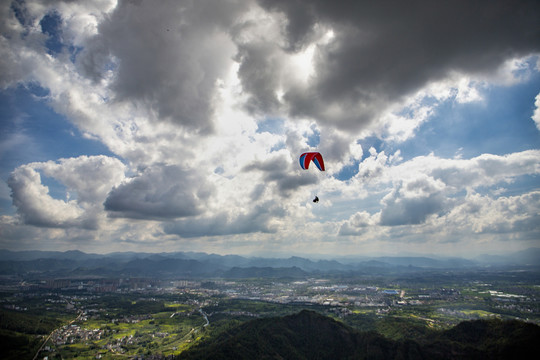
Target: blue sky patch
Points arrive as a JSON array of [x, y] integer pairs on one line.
[[314, 138], [271, 125], [27, 116], [348, 171], [57, 190], [498, 125], [376, 143], [51, 24]]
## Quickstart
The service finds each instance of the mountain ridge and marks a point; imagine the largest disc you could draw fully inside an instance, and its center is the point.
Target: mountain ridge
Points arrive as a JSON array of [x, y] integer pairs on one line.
[[310, 335], [189, 264]]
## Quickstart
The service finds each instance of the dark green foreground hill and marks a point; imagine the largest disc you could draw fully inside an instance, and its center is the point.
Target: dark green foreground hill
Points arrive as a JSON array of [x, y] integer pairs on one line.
[[309, 335]]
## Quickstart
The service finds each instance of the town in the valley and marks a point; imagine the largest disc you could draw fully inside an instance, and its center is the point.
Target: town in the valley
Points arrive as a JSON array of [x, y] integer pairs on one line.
[[100, 317]]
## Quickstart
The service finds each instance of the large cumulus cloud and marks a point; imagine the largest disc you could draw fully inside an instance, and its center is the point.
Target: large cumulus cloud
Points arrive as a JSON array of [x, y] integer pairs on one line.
[[513, 216], [428, 190], [168, 56], [258, 219], [160, 192], [413, 202], [383, 51], [86, 182]]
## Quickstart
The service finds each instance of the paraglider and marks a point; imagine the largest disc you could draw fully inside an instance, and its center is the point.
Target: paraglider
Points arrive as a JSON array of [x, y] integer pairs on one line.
[[308, 157], [317, 159]]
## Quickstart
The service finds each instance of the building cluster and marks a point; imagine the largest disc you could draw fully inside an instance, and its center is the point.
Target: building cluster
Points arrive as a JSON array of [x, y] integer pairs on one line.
[[73, 333], [100, 285], [132, 319]]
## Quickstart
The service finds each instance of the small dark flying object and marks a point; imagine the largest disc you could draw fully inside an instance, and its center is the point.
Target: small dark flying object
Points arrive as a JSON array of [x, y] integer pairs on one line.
[[316, 200]]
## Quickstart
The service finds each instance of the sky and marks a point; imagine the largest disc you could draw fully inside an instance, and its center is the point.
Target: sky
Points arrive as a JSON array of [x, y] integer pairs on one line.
[[176, 125]]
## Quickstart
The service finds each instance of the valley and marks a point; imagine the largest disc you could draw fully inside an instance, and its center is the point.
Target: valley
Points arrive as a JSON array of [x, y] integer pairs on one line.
[[159, 318]]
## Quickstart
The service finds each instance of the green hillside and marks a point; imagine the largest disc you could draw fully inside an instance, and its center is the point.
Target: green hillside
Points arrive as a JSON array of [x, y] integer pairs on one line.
[[309, 335]]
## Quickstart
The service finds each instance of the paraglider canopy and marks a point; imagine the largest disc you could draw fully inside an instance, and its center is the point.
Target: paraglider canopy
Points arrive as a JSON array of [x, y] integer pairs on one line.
[[308, 157]]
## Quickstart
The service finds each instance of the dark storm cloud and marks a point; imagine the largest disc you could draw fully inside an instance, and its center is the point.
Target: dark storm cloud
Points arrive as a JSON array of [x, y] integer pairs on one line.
[[387, 49], [164, 192], [301, 19], [258, 67]]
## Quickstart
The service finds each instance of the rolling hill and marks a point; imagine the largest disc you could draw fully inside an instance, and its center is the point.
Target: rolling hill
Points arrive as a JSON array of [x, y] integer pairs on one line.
[[309, 335]]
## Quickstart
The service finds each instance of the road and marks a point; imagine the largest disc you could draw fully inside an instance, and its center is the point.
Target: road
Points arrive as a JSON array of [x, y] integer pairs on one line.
[[51, 334], [205, 317]]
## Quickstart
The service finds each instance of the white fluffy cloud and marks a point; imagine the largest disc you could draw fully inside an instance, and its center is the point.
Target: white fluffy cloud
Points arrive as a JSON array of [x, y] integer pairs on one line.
[[413, 201], [457, 174], [87, 181], [161, 192], [504, 215], [426, 190], [168, 56], [536, 114]]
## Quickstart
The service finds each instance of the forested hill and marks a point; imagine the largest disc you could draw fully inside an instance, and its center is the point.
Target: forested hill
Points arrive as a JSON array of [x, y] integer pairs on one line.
[[309, 335]]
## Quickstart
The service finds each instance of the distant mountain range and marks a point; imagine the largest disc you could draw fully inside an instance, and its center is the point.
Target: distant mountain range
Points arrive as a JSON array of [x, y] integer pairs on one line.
[[309, 335], [194, 265]]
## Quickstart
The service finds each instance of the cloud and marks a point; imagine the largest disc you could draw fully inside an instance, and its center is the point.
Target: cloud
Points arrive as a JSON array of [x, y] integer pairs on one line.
[[486, 169], [428, 190], [209, 104], [413, 201], [87, 181], [258, 219], [168, 56], [536, 114], [398, 210], [357, 224], [373, 166], [382, 52], [503, 215], [91, 177], [261, 68], [473, 219], [160, 192], [279, 171], [457, 174]]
